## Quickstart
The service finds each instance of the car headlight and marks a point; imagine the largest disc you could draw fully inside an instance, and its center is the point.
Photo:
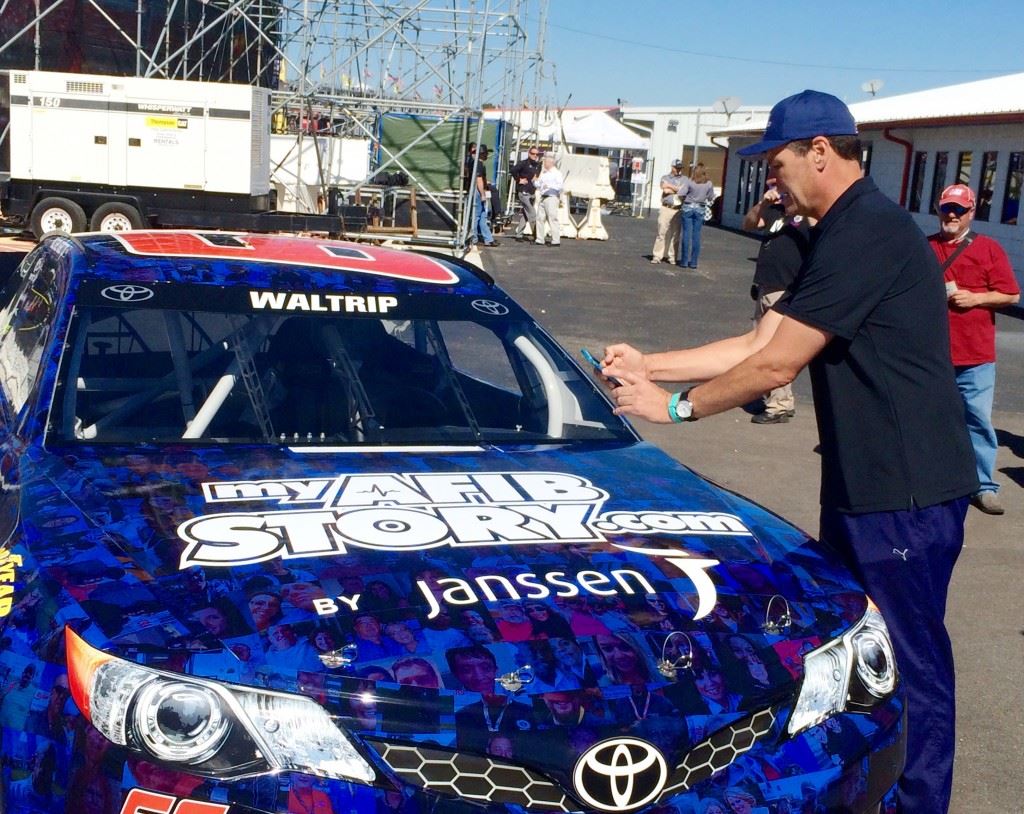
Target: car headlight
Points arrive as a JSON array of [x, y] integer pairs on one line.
[[206, 727], [854, 671]]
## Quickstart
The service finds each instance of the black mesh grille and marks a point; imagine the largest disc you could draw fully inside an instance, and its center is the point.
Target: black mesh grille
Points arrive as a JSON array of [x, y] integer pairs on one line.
[[472, 777], [720, 750]]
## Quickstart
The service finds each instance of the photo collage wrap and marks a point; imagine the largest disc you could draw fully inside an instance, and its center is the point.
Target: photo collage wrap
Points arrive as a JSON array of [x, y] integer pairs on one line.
[[425, 669]]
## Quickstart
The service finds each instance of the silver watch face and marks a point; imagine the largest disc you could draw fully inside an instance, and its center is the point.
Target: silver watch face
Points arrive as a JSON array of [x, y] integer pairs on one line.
[[684, 409]]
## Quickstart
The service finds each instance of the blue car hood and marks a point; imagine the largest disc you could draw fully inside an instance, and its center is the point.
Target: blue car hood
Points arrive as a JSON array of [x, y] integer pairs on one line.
[[299, 568]]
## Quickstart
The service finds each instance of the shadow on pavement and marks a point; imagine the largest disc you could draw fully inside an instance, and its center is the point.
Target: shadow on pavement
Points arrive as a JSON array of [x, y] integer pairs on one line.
[[1013, 442]]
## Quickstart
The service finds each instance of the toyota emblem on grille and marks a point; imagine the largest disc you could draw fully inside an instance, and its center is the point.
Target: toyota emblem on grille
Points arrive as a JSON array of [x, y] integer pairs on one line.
[[495, 309], [127, 293], [620, 774]]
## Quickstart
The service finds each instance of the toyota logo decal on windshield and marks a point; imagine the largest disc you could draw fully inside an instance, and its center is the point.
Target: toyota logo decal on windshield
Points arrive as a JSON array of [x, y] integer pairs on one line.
[[494, 309], [620, 774], [126, 293]]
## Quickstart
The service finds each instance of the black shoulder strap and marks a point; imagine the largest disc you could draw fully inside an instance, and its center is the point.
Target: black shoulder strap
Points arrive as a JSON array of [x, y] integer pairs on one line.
[[967, 241]]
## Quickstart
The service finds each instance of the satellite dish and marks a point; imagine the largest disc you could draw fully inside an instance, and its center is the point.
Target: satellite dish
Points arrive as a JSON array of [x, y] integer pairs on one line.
[[872, 86], [727, 105]]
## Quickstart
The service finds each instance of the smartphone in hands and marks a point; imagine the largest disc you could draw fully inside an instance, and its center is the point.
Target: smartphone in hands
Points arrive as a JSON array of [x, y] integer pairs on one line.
[[596, 364]]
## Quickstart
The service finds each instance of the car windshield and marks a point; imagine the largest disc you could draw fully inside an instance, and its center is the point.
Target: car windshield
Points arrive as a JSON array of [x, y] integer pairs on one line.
[[132, 375]]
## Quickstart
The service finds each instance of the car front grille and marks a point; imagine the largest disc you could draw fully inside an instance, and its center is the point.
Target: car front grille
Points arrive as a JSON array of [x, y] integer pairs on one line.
[[720, 750], [472, 777], [480, 778]]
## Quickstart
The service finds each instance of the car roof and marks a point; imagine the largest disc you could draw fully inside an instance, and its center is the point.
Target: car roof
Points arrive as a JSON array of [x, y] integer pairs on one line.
[[263, 260]]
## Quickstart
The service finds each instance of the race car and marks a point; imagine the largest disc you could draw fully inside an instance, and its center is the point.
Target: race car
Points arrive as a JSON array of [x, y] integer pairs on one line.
[[297, 525]]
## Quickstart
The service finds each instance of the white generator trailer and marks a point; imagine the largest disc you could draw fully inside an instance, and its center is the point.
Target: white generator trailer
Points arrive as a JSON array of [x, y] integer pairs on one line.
[[106, 153]]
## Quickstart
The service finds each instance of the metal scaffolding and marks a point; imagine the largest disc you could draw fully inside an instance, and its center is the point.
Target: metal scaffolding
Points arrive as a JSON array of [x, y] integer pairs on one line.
[[351, 63]]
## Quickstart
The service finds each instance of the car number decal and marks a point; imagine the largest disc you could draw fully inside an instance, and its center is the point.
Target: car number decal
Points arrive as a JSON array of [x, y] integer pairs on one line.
[[292, 251], [141, 801]]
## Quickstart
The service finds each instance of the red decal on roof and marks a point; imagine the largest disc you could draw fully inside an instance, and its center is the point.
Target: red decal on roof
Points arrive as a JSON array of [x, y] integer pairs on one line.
[[292, 251]]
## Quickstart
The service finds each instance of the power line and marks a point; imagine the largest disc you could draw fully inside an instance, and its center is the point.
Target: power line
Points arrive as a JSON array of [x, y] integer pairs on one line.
[[708, 55]]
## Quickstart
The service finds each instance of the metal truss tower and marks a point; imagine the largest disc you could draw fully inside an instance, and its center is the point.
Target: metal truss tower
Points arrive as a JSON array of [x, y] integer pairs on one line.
[[348, 60]]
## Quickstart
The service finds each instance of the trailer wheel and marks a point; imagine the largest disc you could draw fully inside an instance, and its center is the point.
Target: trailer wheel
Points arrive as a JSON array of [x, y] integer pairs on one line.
[[115, 217], [57, 215]]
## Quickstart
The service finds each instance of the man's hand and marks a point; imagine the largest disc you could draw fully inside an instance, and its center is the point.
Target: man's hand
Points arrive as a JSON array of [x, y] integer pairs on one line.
[[621, 359], [982, 299], [636, 396], [522, 181], [964, 299]]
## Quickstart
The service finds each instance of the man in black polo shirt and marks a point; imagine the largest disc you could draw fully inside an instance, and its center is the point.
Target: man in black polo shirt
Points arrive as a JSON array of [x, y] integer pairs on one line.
[[867, 313]]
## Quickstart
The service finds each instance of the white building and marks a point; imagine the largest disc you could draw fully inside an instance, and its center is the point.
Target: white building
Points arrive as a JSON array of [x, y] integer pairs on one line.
[[675, 132], [914, 145]]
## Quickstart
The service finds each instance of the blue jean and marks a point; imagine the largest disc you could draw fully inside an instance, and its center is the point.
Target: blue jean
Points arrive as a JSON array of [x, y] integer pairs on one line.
[[689, 245], [977, 385], [481, 224], [905, 560]]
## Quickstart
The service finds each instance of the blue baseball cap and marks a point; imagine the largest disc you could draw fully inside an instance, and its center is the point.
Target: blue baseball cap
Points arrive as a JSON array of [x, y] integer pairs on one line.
[[802, 116]]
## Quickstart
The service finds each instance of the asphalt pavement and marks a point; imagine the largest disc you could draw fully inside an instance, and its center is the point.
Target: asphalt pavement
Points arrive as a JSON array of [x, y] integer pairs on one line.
[[591, 293]]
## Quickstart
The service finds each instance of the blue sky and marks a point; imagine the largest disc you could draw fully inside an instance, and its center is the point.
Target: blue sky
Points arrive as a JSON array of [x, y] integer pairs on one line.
[[682, 52]]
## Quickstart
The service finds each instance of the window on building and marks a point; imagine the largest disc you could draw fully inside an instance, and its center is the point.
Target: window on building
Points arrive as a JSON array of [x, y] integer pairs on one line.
[[865, 156], [963, 168], [740, 181], [753, 191], [1011, 195], [756, 192], [986, 187], [938, 181], [917, 180], [673, 125]]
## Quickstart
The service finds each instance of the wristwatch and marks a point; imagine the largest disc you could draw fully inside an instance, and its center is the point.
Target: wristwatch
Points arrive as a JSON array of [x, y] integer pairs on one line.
[[680, 408]]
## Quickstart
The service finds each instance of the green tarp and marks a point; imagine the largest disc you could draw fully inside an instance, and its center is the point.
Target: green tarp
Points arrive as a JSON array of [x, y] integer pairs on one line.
[[436, 161]]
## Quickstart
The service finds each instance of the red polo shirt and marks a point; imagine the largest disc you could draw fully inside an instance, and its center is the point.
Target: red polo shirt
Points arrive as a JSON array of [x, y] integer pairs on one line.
[[983, 266]]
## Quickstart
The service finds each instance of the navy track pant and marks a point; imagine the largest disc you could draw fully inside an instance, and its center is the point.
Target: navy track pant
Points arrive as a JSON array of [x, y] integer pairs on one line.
[[905, 560]]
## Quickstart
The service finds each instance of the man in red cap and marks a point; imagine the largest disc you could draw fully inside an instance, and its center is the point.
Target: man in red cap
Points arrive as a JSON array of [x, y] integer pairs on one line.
[[979, 279]]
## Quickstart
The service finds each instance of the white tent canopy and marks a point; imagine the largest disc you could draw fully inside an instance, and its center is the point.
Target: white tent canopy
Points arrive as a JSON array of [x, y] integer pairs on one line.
[[592, 127], [598, 129]]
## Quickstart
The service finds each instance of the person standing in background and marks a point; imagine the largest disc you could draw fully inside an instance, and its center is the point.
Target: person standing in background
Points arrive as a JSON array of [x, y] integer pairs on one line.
[[785, 244], [524, 173], [979, 279], [480, 196], [549, 184], [699, 193], [667, 239]]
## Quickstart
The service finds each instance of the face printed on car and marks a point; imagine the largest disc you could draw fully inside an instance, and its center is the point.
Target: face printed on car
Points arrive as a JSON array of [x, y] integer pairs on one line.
[[400, 632], [367, 627], [475, 673], [213, 619], [563, 706], [618, 653], [743, 650], [416, 673], [711, 684], [264, 607], [302, 594], [282, 637], [565, 650]]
